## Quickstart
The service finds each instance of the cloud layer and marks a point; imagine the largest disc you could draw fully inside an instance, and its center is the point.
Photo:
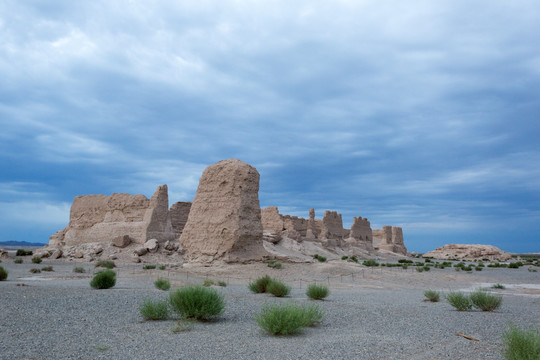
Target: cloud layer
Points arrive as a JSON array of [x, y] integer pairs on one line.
[[422, 115]]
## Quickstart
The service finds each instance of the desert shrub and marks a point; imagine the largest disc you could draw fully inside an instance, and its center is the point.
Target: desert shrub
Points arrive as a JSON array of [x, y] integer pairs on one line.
[[149, 267], [521, 344], [478, 268], [259, 285], [354, 259], [532, 270], [36, 260], [420, 269], [18, 261], [485, 301], [317, 292], [513, 265], [35, 270], [222, 283], [3, 273], [108, 264], [370, 262], [287, 318], [79, 269], [428, 260], [321, 258], [404, 266], [426, 268], [154, 310], [22, 252], [432, 295], [405, 261], [162, 284], [162, 267], [459, 301], [274, 264], [47, 268], [208, 282], [278, 288], [498, 286], [344, 257], [103, 279], [197, 302]]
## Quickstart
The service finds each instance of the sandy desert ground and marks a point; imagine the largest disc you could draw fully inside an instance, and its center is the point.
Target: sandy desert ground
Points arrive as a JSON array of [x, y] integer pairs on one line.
[[372, 313]]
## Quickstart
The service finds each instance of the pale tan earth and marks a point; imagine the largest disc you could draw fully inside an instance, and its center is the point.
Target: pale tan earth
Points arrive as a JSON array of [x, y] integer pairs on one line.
[[468, 252]]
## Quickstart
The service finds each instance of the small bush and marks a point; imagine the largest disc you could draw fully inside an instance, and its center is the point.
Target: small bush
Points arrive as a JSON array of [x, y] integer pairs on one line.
[[405, 261], [35, 270], [222, 283], [3, 273], [18, 261], [79, 269], [278, 288], [370, 262], [459, 301], [478, 268], [197, 302], [521, 344], [162, 284], [532, 270], [432, 295], [321, 258], [427, 260], [287, 318], [498, 286], [514, 265], [274, 264], [485, 301], [344, 257], [36, 260], [47, 268], [317, 292], [108, 264], [259, 285], [208, 282], [103, 279], [149, 267], [22, 252], [354, 259], [162, 267], [426, 268], [420, 269], [154, 310]]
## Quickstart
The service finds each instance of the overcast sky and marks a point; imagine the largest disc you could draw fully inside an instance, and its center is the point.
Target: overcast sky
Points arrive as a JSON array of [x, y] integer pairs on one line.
[[420, 114]]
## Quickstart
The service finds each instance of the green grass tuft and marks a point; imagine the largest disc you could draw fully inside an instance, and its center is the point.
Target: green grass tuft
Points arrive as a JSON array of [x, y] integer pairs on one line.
[[162, 284], [459, 301], [162, 267], [3, 273], [278, 288], [521, 344], [486, 301], [47, 268], [208, 282], [36, 260], [18, 261], [79, 269], [287, 318], [197, 302], [104, 279], [22, 252], [370, 262], [154, 310], [317, 292], [108, 264], [432, 295], [259, 285], [149, 267], [222, 283], [498, 286]]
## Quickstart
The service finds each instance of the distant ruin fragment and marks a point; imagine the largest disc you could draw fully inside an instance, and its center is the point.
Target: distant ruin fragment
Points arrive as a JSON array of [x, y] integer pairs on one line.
[[224, 222], [389, 238]]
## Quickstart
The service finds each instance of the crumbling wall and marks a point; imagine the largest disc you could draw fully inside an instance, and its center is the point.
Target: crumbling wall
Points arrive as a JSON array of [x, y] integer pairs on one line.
[[332, 228], [361, 234], [272, 220], [397, 240], [179, 213]]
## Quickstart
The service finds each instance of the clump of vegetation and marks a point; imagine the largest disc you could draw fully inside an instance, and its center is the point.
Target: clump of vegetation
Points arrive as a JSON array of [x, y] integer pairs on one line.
[[287, 318], [47, 268], [197, 302], [18, 261], [259, 285], [405, 261], [521, 344], [274, 264], [108, 264], [515, 265], [154, 310], [426, 268], [498, 286], [278, 288], [432, 295], [354, 259], [79, 269], [427, 260], [420, 269], [317, 292], [459, 301], [532, 270], [208, 282], [162, 284], [149, 267], [3, 273], [222, 283], [104, 279], [478, 268], [35, 270], [319, 257], [485, 301], [22, 252], [344, 257], [162, 267], [370, 262], [36, 260]]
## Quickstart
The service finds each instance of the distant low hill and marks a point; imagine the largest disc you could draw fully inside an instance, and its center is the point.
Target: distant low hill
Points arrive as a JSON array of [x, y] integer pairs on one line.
[[20, 243]]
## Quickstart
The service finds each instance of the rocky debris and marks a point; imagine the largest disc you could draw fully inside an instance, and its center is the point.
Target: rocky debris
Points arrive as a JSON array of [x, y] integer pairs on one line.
[[78, 255], [171, 245], [57, 254], [468, 252], [272, 236], [140, 251], [97, 218], [121, 241], [152, 245], [224, 222], [98, 250], [42, 253], [135, 259], [3, 253]]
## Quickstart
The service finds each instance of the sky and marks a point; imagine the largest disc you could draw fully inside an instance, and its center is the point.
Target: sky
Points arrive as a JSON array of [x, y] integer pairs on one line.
[[420, 114]]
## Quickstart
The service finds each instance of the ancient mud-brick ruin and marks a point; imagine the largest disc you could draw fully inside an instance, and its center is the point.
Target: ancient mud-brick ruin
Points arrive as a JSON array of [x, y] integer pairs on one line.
[[224, 223]]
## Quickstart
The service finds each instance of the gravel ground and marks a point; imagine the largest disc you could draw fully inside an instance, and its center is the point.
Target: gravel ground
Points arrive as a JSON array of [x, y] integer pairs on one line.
[[375, 315]]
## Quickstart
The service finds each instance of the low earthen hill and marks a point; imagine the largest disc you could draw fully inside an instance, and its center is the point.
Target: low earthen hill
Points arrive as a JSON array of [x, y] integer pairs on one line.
[[224, 223]]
